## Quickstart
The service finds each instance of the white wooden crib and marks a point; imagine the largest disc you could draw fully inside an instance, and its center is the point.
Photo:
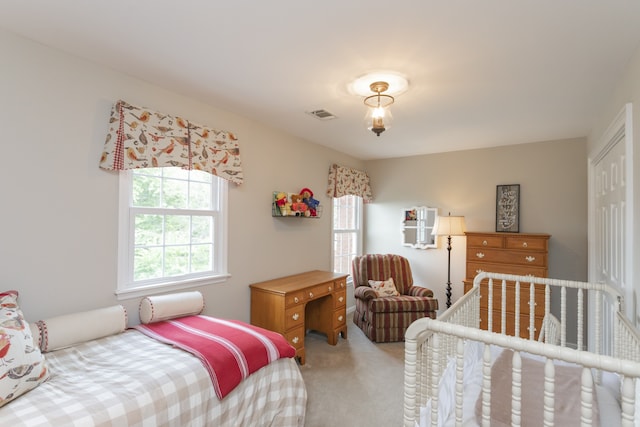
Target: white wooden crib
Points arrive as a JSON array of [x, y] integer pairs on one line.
[[452, 368]]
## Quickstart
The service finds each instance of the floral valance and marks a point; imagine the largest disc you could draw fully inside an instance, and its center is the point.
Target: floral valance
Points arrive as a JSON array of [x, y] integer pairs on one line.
[[344, 181], [142, 138]]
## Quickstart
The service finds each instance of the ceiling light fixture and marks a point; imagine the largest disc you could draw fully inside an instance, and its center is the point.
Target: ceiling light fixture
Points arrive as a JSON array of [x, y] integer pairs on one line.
[[378, 111]]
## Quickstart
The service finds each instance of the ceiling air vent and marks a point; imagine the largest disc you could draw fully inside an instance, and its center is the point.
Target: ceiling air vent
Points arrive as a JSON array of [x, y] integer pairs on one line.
[[321, 114]]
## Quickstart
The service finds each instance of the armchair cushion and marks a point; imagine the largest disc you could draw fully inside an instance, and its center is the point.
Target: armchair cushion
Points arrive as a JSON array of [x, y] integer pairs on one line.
[[403, 303], [384, 288]]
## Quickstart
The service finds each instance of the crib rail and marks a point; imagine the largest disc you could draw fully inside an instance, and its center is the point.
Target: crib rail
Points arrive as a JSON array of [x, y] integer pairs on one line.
[[430, 344]]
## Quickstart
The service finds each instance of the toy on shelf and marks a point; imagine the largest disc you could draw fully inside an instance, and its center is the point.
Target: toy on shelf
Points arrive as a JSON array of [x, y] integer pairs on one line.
[[295, 204], [307, 198]]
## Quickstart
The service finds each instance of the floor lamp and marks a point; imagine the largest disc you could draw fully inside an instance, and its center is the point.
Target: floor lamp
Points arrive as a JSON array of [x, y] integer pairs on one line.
[[449, 226]]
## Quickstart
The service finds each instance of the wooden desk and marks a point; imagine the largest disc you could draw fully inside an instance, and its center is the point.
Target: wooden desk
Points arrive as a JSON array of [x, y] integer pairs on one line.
[[315, 300]]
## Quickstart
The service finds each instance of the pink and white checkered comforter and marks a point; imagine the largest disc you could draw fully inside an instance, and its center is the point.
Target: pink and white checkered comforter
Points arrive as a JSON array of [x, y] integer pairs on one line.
[[133, 380]]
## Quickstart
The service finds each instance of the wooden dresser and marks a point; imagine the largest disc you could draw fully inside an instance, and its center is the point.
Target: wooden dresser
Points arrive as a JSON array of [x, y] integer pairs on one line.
[[315, 300], [511, 253]]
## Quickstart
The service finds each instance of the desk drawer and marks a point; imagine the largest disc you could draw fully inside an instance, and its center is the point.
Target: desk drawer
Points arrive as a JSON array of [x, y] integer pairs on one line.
[[339, 299], [319, 290], [296, 338], [339, 318], [293, 298], [340, 284], [293, 317]]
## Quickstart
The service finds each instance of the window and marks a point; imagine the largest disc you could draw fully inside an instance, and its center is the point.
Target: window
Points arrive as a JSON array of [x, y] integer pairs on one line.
[[347, 232], [172, 230]]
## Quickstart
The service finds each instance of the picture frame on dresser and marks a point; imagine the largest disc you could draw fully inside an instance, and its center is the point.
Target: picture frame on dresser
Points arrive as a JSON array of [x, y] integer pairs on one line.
[[508, 208]]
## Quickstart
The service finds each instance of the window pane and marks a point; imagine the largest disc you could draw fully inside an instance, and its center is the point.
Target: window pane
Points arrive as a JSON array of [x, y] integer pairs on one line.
[[200, 195], [147, 263], [201, 258], [176, 260], [201, 229], [177, 230], [174, 194], [344, 249], [148, 230], [146, 191]]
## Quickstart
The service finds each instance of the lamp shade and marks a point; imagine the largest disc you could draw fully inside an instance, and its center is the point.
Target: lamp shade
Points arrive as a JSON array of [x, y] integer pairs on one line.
[[449, 226]]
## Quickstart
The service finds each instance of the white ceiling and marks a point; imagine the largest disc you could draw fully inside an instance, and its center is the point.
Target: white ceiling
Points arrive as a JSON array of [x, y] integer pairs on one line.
[[481, 72]]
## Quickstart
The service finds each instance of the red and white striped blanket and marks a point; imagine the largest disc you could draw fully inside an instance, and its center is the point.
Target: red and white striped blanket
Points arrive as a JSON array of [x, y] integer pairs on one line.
[[229, 349]]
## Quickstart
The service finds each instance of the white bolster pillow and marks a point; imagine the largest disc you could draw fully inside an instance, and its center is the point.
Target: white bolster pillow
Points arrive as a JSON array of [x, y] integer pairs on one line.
[[163, 307], [67, 330]]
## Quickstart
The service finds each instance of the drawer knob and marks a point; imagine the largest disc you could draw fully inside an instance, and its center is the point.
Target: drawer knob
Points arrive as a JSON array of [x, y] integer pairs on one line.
[[340, 318], [341, 299], [479, 255], [330, 289], [295, 316], [524, 244], [295, 340], [310, 294], [296, 300], [530, 258], [342, 284], [485, 243], [478, 271]]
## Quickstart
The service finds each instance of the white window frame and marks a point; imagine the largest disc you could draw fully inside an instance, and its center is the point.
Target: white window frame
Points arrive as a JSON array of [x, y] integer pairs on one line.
[[126, 288], [358, 230]]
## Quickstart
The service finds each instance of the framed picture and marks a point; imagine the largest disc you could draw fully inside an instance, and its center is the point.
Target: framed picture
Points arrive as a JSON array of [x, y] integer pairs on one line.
[[508, 208]]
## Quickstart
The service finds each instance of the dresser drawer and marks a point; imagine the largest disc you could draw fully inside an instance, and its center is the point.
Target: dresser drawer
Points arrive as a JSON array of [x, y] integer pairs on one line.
[[510, 287], [510, 323], [475, 268], [293, 298], [340, 284], [526, 243], [485, 241], [534, 259], [293, 317], [339, 299]]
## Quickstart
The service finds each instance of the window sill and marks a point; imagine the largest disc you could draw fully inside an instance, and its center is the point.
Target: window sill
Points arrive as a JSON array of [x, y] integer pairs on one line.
[[146, 290]]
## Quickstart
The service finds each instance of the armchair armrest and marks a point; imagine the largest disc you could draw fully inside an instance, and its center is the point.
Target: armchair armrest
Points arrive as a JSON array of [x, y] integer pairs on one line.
[[419, 291], [364, 293]]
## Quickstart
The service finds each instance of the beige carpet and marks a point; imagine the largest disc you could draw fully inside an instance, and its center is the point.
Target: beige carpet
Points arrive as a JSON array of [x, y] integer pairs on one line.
[[355, 383]]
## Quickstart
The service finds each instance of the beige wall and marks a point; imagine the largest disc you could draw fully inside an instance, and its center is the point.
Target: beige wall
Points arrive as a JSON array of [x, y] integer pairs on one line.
[[553, 199], [59, 210]]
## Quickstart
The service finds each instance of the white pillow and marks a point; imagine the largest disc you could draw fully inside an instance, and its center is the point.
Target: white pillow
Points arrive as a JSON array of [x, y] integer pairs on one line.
[[164, 307], [384, 288], [23, 367], [69, 329]]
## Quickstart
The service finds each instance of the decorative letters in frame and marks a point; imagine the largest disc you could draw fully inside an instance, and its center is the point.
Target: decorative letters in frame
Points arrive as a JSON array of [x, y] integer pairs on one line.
[[508, 208]]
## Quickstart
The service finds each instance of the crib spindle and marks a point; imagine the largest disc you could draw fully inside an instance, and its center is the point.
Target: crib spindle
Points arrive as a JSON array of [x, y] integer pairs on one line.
[[532, 311], [490, 305], [580, 319], [516, 390], [627, 403], [586, 398], [486, 386], [517, 310], [435, 372], [459, 379], [549, 393], [563, 317], [503, 307]]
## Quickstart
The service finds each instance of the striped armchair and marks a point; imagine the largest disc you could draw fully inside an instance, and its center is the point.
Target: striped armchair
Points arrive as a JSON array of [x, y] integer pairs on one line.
[[384, 319]]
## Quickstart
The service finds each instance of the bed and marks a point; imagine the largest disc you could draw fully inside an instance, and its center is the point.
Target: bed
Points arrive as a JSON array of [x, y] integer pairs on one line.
[[458, 374], [129, 378]]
